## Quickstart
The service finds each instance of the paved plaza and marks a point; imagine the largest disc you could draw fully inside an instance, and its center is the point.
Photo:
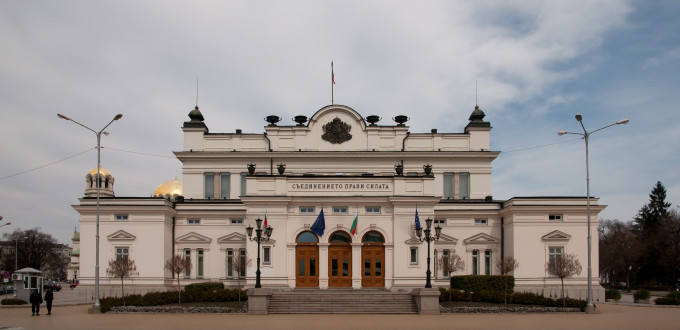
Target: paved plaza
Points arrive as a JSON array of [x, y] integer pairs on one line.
[[613, 316]]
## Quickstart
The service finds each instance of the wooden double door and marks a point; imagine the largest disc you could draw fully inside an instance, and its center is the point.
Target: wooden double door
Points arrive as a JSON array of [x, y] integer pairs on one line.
[[307, 266], [373, 260], [339, 265]]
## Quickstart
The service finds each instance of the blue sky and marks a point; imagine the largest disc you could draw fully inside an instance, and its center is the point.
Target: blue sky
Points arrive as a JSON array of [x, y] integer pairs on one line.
[[536, 65]]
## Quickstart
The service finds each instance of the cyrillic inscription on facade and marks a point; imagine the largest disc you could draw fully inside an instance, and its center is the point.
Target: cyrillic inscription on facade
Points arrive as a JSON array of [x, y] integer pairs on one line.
[[340, 186]]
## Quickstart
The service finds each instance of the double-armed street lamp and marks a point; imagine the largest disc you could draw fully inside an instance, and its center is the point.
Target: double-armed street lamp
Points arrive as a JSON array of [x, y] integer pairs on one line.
[[97, 304], [259, 238], [428, 238], [590, 308]]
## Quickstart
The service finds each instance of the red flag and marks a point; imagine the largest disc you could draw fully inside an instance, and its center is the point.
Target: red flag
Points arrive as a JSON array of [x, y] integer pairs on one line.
[[265, 219]]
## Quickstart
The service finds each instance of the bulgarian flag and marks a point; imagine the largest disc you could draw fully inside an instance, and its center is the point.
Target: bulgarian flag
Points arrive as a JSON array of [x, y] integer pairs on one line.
[[265, 218], [353, 230]]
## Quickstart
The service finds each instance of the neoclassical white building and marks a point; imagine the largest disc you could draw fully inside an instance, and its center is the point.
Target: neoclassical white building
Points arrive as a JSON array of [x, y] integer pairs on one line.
[[348, 166]]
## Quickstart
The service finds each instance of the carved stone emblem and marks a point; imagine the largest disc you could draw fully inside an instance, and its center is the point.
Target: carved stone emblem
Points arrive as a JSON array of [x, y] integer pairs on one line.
[[336, 131]]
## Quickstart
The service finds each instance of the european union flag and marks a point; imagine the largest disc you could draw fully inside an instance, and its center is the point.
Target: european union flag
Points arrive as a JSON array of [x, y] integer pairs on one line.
[[417, 220], [319, 225]]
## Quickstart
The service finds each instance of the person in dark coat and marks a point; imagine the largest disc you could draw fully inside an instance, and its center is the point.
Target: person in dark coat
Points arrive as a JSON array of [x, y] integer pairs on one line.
[[36, 300], [49, 296]]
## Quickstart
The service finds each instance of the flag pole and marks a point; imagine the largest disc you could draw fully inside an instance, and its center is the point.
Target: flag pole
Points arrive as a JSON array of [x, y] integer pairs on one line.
[[332, 83]]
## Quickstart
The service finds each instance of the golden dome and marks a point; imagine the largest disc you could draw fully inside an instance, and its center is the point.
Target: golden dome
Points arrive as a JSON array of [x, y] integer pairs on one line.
[[169, 188], [104, 172]]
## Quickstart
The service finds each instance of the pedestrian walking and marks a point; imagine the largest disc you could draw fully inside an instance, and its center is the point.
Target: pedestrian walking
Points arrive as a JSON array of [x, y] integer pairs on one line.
[[36, 300], [49, 296]]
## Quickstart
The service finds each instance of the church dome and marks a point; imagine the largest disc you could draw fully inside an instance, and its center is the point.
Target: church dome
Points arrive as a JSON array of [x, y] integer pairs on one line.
[[104, 172], [169, 189]]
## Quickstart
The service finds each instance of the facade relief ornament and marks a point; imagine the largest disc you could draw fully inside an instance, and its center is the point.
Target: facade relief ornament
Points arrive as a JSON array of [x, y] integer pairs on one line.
[[336, 131]]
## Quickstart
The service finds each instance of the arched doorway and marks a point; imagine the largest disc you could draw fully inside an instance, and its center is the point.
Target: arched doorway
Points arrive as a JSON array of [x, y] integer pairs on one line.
[[306, 260], [340, 260], [373, 258]]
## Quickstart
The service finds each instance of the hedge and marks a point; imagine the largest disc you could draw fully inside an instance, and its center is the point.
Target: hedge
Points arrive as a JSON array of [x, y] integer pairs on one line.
[[170, 297], [642, 294], [476, 283], [13, 301], [612, 294], [205, 286], [667, 301], [518, 298]]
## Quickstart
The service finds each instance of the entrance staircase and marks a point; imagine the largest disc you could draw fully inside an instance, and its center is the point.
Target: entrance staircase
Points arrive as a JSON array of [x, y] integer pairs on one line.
[[342, 301]]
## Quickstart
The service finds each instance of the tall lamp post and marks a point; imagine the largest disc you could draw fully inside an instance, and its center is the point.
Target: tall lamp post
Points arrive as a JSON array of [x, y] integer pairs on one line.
[[428, 238], [16, 254], [259, 238], [590, 308], [97, 304]]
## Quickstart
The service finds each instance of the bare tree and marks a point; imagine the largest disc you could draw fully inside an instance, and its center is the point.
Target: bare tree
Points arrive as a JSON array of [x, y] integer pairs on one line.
[[506, 265], [177, 265], [240, 264], [451, 264], [122, 268], [562, 266], [35, 249]]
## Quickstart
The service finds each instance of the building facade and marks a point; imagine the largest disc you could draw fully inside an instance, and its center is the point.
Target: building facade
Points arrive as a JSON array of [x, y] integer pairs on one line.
[[337, 166]]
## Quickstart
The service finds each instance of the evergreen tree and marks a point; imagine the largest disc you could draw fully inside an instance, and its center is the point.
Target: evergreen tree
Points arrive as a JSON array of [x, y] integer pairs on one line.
[[650, 215]]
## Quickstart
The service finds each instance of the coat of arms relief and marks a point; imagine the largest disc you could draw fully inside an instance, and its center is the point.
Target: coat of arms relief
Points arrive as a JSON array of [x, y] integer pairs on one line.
[[336, 131]]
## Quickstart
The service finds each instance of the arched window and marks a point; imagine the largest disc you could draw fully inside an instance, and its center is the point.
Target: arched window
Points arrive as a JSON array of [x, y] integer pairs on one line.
[[340, 237], [373, 237], [307, 237]]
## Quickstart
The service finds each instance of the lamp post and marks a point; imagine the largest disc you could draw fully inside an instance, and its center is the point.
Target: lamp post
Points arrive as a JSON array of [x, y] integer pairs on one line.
[[428, 238], [97, 304], [259, 238], [16, 254], [590, 308]]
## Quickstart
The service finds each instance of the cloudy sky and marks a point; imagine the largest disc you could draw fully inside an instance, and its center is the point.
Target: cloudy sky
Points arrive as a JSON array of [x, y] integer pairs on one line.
[[536, 64]]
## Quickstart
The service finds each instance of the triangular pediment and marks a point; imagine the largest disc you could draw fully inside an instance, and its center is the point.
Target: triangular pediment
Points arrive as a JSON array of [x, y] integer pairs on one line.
[[481, 238], [193, 238], [232, 238], [413, 240], [556, 236], [446, 240], [121, 235]]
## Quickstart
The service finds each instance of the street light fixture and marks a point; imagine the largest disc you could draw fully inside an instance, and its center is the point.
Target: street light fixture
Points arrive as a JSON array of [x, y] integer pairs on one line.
[[97, 304], [428, 238], [259, 238], [590, 308]]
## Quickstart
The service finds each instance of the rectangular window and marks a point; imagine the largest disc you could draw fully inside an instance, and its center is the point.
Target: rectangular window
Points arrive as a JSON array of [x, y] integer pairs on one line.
[[487, 262], [266, 255], [475, 262], [243, 184], [372, 209], [445, 257], [367, 267], [448, 185], [230, 263], [555, 253], [306, 209], [555, 217], [122, 253], [480, 222], [194, 221], [301, 267], [441, 222], [209, 186], [339, 209], [414, 255], [121, 217], [334, 267], [236, 221], [464, 183], [243, 263], [345, 267], [312, 267], [225, 185], [199, 271], [187, 257], [378, 267]]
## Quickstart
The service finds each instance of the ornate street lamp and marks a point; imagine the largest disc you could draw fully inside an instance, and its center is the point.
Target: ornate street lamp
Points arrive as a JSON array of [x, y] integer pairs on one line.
[[590, 308], [97, 303], [259, 238], [428, 238]]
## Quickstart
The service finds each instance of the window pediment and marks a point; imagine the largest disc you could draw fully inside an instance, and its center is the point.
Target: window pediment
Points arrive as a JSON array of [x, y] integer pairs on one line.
[[233, 238], [193, 238], [556, 236], [121, 235], [446, 240], [481, 238]]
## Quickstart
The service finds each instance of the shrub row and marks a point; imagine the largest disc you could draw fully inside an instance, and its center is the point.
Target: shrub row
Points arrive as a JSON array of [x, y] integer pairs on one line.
[[170, 297], [673, 298], [13, 301], [205, 286], [519, 298], [642, 294], [477, 283], [612, 294]]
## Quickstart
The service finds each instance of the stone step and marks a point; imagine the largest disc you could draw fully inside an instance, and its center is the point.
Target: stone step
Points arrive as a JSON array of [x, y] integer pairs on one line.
[[342, 301]]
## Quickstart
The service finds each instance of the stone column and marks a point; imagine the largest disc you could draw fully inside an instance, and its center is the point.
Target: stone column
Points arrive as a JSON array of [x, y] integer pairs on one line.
[[357, 265], [323, 265]]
